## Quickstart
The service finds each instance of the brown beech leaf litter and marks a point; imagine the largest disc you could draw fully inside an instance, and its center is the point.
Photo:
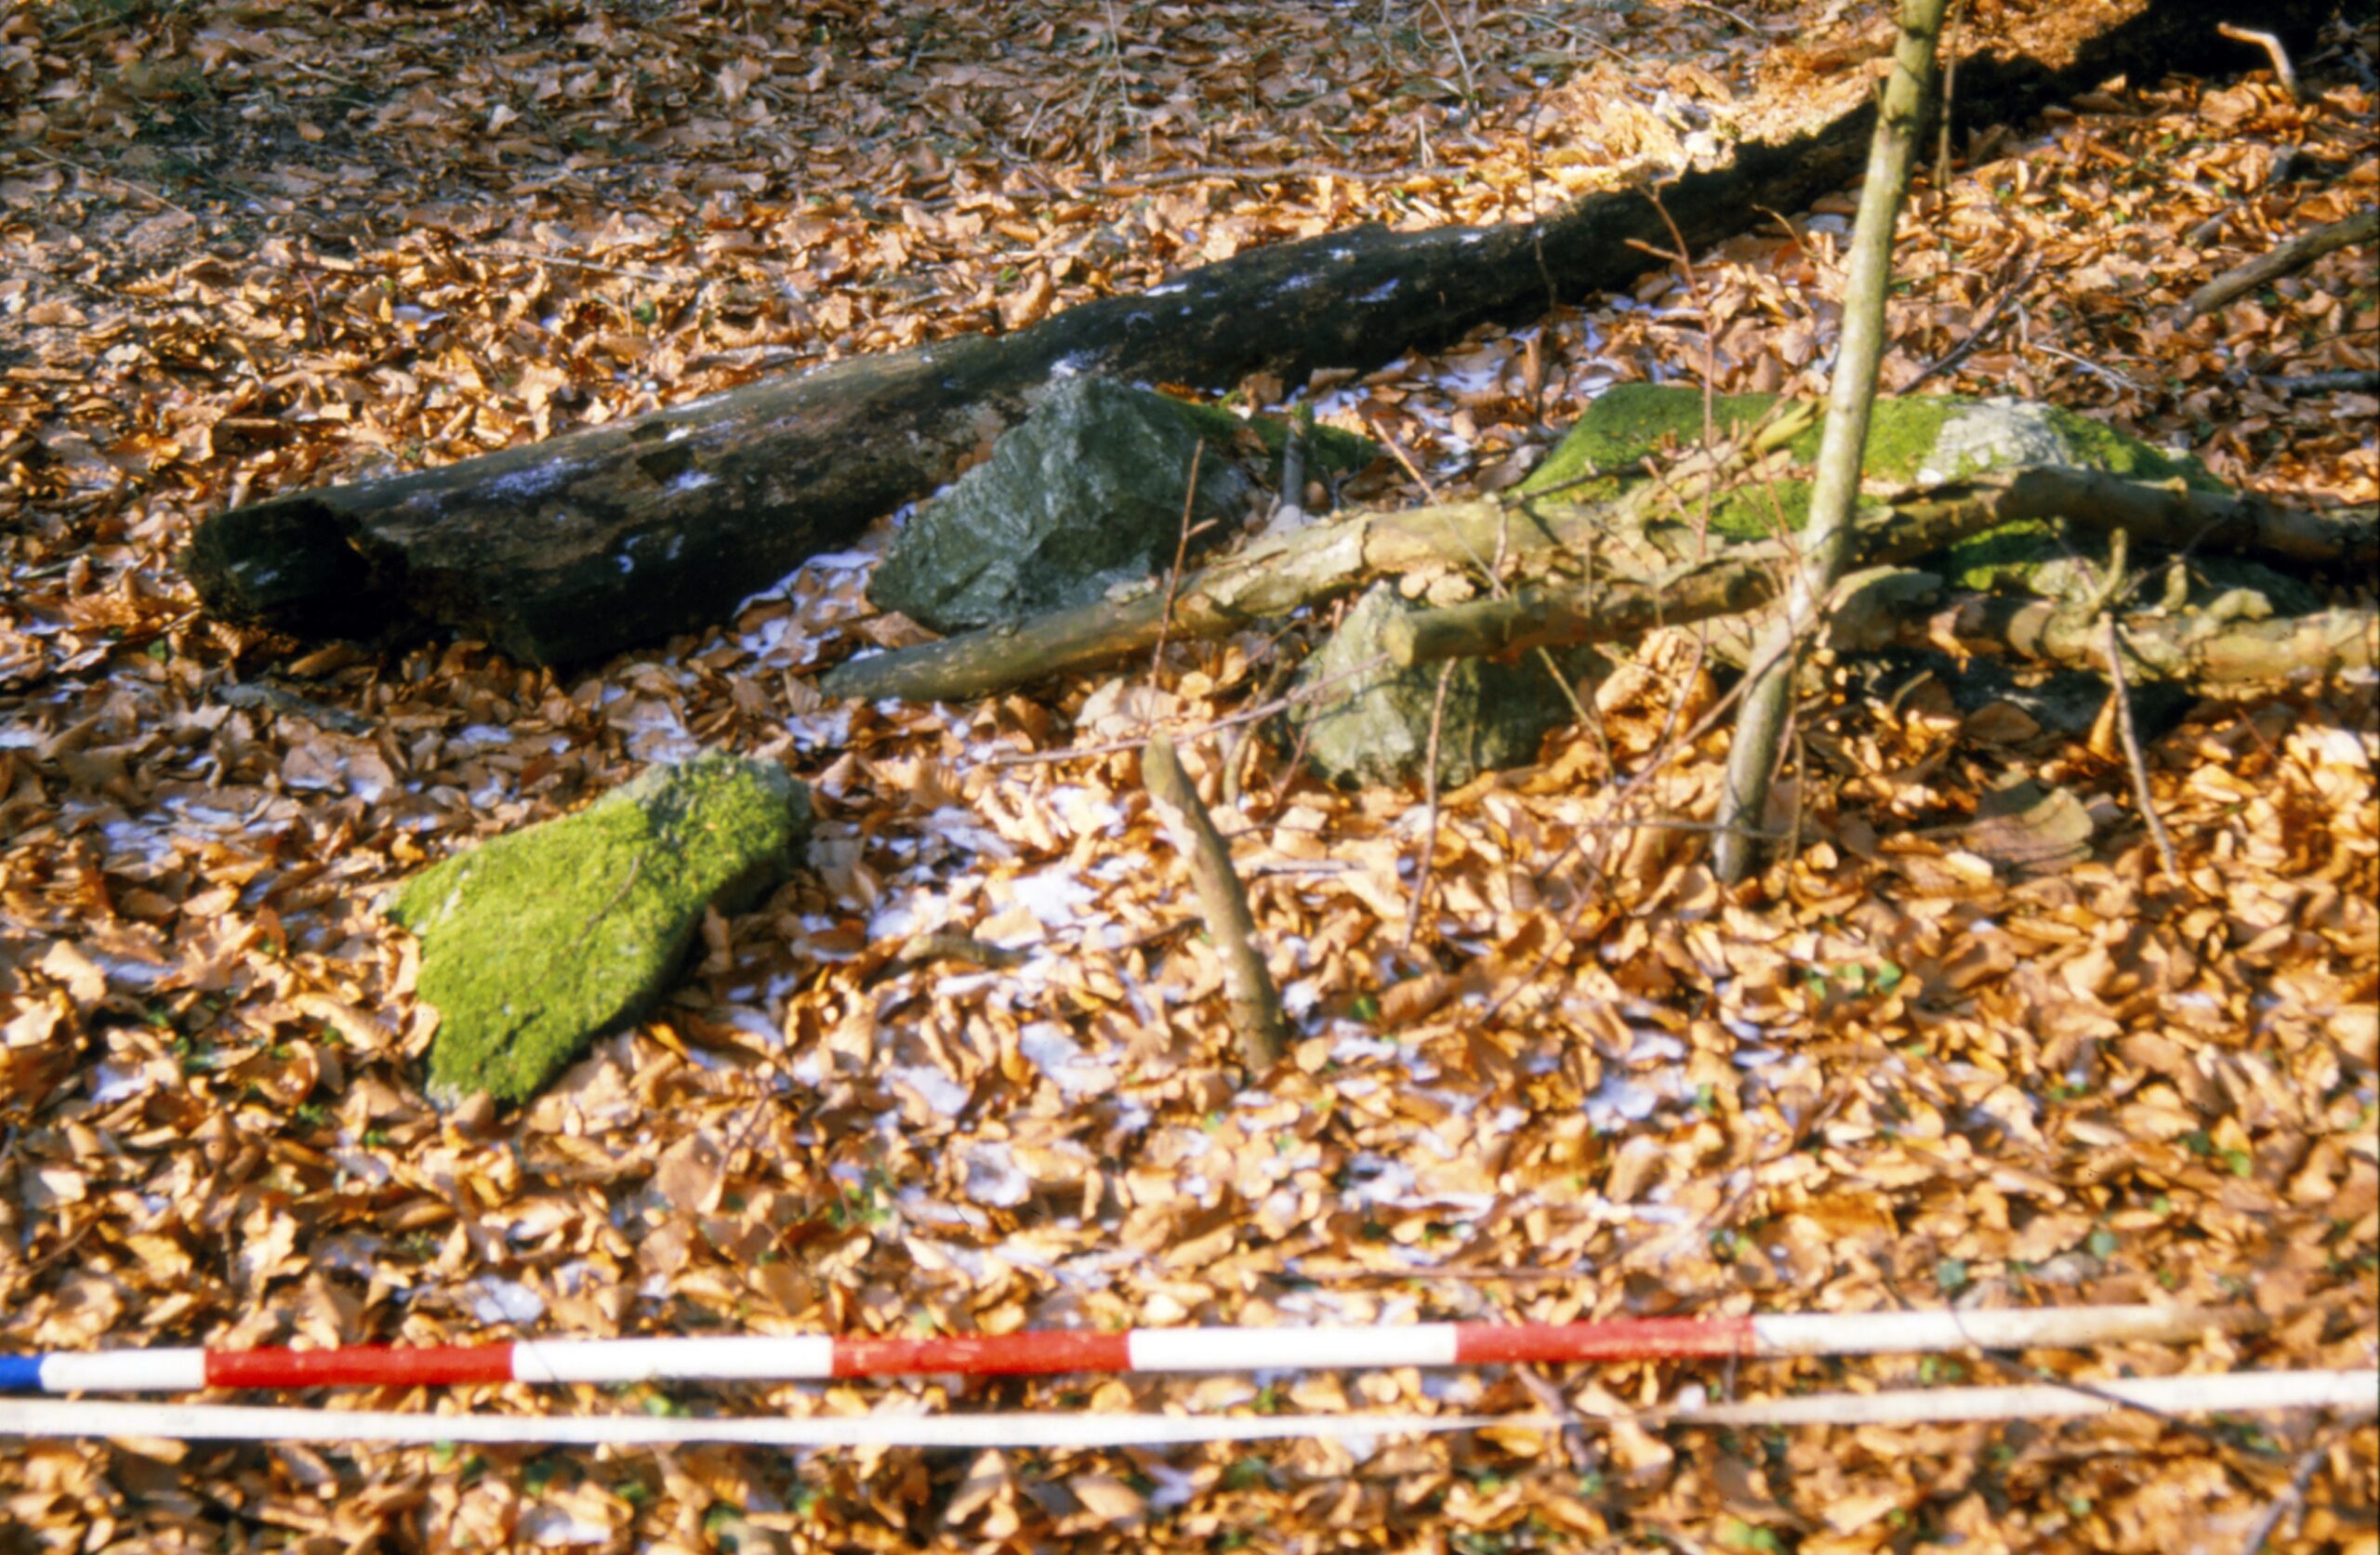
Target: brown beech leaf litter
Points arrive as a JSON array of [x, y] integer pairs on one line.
[[249, 248]]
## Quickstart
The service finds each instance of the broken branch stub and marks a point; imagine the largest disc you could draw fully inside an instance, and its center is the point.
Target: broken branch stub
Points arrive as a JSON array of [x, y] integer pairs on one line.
[[1254, 1003]]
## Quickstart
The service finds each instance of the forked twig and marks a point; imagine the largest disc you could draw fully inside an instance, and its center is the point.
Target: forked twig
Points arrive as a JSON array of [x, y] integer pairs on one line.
[[1430, 824]]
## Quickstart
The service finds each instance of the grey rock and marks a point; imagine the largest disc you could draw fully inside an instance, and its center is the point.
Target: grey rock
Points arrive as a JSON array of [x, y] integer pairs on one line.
[[1373, 726], [1085, 494]]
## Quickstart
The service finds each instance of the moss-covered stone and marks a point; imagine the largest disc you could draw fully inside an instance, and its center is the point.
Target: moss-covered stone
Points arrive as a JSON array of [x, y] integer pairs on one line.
[[1921, 439], [536, 943], [1608, 444], [1373, 726], [1085, 494]]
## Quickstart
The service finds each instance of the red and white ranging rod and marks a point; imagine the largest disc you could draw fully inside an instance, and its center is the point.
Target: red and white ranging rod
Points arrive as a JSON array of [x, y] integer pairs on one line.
[[2350, 1393], [770, 1358]]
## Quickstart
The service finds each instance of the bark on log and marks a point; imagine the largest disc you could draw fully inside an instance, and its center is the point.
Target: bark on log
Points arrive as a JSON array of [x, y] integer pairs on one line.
[[1651, 573], [590, 541], [2206, 650]]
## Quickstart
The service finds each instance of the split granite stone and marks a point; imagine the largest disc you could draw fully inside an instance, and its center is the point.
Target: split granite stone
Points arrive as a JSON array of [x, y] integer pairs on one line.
[[1084, 496], [1373, 725]]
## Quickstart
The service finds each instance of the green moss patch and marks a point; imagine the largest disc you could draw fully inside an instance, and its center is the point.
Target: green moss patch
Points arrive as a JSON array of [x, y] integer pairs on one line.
[[536, 943], [1923, 438]]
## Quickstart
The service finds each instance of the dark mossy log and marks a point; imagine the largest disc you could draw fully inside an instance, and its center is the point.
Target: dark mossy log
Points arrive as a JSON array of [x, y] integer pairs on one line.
[[2211, 649], [1627, 570], [613, 536]]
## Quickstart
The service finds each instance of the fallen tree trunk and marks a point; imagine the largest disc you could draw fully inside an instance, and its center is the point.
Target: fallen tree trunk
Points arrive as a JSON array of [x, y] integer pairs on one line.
[[1639, 572], [2205, 649], [597, 539]]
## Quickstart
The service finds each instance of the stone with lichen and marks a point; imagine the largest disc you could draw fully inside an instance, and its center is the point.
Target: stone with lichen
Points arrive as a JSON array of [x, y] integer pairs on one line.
[[535, 944], [1915, 439]]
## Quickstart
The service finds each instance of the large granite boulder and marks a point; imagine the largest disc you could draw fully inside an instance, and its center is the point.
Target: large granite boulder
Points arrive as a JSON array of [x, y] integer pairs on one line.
[[537, 942], [1085, 494]]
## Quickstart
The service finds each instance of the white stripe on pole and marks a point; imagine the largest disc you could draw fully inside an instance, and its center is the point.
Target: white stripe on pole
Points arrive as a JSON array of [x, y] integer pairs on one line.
[[1207, 1349], [54, 1418], [1982, 1328], [58, 1418], [2356, 1392], [746, 1357], [119, 1371]]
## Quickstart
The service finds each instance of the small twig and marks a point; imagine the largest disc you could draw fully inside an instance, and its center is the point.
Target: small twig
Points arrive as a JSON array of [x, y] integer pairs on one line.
[[1256, 174], [2290, 1500], [1388, 441], [2131, 754], [1976, 336], [2283, 168], [2102, 603], [2291, 256], [1254, 1003], [1430, 822], [2107, 374], [1173, 576], [1236, 742], [2282, 71], [636, 868], [626, 273], [1462, 61], [1246, 715], [1736, 17]]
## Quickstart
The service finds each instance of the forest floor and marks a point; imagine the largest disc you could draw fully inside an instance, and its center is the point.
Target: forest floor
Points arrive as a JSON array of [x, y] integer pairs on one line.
[[246, 249]]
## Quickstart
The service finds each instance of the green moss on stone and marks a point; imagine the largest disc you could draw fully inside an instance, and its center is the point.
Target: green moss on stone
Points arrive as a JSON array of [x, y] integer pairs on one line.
[[1625, 424], [536, 943], [1922, 437]]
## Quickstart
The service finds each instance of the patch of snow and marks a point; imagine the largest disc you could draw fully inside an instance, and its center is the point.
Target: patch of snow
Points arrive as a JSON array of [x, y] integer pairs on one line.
[[1655, 1046], [993, 1176], [363, 1166], [1619, 1101], [1061, 1060], [824, 729], [1056, 896], [496, 1300], [121, 1082], [526, 485], [964, 830], [938, 1090], [1083, 812], [552, 1528]]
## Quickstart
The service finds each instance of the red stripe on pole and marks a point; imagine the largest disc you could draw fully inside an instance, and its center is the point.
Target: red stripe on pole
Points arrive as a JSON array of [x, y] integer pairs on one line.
[[1632, 1339], [362, 1366], [985, 1354]]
